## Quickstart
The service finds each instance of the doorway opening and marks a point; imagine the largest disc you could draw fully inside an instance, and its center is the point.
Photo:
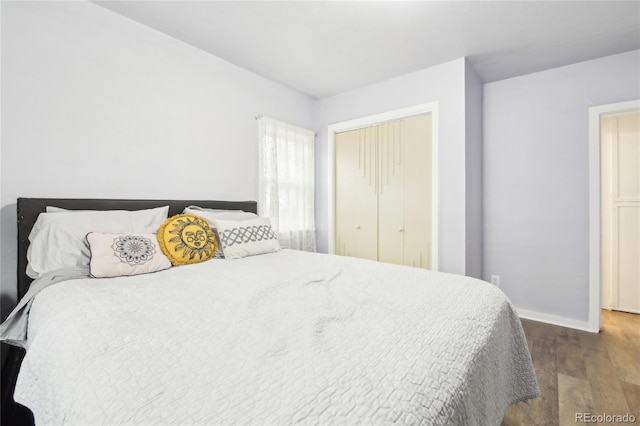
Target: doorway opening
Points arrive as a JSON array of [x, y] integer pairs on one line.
[[620, 211], [614, 209]]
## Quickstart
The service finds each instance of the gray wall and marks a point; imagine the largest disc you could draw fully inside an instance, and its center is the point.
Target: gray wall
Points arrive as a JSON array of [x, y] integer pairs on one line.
[[536, 179], [97, 105], [473, 171]]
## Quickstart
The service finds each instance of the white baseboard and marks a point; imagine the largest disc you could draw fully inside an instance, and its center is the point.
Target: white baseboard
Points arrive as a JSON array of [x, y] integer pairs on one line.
[[556, 320]]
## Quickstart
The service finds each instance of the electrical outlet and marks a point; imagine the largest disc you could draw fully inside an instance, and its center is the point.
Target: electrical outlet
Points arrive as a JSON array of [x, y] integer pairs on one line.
[[495, 280]]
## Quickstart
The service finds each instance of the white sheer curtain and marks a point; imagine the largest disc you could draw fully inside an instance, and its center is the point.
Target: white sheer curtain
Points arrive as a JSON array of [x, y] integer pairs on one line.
[[287, 182]]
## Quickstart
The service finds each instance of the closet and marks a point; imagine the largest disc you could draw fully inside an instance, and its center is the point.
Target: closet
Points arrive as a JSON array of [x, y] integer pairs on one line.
[[383, 198]]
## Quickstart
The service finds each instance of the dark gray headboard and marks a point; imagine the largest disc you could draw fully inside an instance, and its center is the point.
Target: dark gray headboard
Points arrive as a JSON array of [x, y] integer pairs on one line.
[[30, 208]]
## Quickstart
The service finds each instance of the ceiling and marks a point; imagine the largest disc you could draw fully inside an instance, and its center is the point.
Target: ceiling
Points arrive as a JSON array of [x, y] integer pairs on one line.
[[322, 48]]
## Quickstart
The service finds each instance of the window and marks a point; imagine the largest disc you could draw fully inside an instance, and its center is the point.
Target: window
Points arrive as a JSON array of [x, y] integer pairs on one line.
[[287, 182]]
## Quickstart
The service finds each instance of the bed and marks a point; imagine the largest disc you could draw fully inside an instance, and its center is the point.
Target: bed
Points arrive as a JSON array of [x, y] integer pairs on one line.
[[277, 338]]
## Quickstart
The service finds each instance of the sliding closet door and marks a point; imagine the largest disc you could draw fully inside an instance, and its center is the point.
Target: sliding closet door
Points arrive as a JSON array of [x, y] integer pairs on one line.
[[417, 167], [383, 192], [404, 200], [391, 193], [356, 193]]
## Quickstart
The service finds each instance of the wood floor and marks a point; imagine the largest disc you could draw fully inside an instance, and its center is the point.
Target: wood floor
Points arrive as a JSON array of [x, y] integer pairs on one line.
[[581, 372]]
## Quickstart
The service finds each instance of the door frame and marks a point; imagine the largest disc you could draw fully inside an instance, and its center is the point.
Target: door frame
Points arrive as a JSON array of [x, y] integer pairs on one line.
[[372, 120], [595, 252]]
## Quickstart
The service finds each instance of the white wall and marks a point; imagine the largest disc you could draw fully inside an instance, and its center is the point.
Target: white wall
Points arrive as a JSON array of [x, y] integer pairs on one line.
[[443, 83], [473, 172], [97, 105], [536, 205]]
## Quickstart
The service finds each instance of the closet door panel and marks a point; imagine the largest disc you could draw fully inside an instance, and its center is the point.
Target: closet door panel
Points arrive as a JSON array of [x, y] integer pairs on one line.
[[417, 163], [390, 194], [365, 196], [356, 199], [346, 163]]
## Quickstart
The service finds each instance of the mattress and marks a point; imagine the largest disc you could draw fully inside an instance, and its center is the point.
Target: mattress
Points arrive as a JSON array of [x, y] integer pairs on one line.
[[281, 338]]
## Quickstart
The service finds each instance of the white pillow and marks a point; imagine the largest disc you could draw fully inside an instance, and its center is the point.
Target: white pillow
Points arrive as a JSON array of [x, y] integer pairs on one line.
[[58, 240], [115, 255], [212, 215], [247, 237]]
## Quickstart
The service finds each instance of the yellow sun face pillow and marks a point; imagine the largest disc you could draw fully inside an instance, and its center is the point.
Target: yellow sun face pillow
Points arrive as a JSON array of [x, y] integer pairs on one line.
[[187, 239]]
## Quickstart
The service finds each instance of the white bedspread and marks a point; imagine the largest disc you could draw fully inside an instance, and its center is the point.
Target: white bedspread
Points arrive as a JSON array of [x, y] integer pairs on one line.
[[287, 337]]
